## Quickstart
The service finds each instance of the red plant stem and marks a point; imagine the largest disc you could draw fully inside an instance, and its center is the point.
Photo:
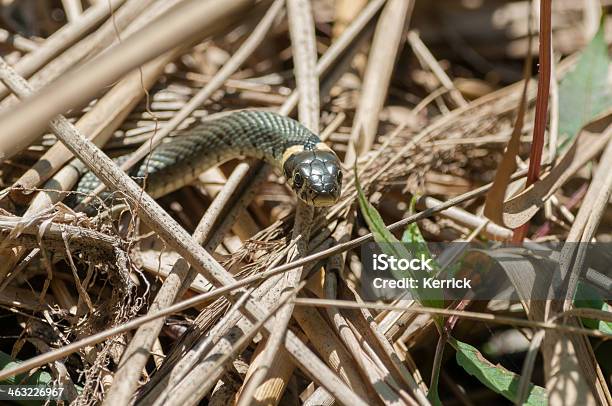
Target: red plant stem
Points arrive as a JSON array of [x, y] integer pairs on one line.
[[541, 113]]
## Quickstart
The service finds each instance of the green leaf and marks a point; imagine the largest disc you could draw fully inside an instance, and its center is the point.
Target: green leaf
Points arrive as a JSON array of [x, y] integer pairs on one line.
[[412, 233], [37, 378], [386, 240], [393, 247], [413, 237], [584, 92], [494, 377], [593, 301]]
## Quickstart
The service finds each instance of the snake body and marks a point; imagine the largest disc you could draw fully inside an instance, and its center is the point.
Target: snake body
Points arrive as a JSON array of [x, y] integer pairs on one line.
[[312, 169]]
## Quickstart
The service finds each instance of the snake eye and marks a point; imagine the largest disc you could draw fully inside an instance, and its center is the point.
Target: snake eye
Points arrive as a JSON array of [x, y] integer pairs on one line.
[[298, 181], [339, 177]]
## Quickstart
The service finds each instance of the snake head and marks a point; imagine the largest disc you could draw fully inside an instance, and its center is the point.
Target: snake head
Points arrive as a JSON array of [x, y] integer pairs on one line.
[[315, 176]]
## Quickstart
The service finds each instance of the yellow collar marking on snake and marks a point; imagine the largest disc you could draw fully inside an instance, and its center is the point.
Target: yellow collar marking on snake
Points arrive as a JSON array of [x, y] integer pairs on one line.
[[294, 149]]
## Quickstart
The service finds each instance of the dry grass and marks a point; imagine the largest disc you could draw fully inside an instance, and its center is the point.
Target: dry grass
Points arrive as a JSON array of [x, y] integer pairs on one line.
[[229, 291]]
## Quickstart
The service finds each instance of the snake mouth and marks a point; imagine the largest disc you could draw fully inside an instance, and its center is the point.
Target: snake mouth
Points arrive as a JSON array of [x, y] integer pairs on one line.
[[320, 195], [324, 201]]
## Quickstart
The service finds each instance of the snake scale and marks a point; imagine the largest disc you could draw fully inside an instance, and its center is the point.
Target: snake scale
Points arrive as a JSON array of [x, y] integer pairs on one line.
[[311, 168]]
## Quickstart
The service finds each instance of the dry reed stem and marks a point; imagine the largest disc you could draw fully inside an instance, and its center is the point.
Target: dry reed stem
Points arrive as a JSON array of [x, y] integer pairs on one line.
[[389, 354], [423, 53], [193, 368], [61, 39], [177, 26], [463, 217], [18, 42], [367, 368], [41, 72], [344, 13], [335, 267], [192, 390], [220, 335], [325, 341], [381, 60], [73, 9]]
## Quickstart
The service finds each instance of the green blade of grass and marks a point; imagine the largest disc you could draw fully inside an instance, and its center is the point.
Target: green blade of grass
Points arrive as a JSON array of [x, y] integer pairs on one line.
[[593, 301], [390, 245], [494, 377]]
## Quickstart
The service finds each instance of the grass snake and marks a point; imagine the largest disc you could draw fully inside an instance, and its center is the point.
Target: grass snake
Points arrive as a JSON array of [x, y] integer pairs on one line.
[[311, 168]]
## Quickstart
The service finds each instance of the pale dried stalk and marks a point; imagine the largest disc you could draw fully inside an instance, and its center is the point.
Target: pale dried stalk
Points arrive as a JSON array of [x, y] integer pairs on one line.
[[363, 361], [376, 341], [192, 390], [463, 217], [52, 68], [24, 123], [344, 13], [181, 387], [275, 383], [325, 341], [18, 42], [99, 124], [303, 41], [384, 50], [61, 39], [73, 9], [389, 355], [320, 397], [186, 378], [423, 53]]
